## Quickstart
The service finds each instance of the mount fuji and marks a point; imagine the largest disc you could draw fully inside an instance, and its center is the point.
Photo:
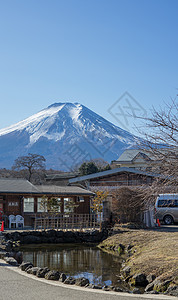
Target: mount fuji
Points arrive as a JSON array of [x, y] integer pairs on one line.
[[66, 134]]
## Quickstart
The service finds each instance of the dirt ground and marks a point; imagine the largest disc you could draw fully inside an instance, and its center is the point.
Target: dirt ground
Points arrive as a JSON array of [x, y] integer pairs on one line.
[[153, 251]]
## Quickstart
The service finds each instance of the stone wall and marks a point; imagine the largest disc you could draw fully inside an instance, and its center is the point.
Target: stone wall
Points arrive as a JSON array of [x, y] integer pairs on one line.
[[54, 237]]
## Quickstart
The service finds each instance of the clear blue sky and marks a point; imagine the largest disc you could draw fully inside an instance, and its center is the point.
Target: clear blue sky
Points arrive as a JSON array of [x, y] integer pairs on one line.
[[87, 51]]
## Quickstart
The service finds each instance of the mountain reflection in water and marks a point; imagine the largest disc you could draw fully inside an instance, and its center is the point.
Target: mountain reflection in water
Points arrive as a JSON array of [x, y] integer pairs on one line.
[[76, 260]]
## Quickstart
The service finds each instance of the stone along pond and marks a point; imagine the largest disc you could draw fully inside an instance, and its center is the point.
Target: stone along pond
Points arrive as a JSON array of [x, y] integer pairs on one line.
[[99, 267]]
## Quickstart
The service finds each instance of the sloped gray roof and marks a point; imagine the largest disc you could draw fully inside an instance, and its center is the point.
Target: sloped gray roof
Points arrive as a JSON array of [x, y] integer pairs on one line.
[[22, 186], [61, 190], [64, 175], [130, 154], [13, 185], [111, 172]]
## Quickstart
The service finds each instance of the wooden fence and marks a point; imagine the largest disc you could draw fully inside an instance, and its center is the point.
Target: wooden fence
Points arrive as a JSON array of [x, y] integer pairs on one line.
[[66, 221]]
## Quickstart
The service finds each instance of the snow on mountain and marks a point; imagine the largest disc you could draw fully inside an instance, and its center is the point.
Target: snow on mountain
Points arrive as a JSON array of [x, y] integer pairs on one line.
[[66, 134]]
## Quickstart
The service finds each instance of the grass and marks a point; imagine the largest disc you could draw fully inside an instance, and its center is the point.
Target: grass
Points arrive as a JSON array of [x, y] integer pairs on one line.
[[153, 251]]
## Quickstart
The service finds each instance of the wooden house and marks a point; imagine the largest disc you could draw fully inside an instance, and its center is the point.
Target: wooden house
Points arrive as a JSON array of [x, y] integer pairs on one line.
[[20, 197], [114, 178]]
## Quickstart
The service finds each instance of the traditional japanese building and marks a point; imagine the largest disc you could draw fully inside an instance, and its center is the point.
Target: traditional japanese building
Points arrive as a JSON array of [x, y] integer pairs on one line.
[[114, 178], [20, 197]]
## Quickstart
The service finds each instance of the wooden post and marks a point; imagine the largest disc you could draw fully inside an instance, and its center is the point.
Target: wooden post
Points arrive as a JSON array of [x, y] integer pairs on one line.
[[35, 223]]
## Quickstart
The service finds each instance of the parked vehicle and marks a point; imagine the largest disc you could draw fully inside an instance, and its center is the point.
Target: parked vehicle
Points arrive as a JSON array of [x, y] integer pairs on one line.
[[166, 208]]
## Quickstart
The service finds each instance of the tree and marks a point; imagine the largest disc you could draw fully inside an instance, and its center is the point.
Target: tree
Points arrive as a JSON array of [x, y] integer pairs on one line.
[[127, 204], [161, 141], [31, 162], [101, 164], [50, 205], [93, 166], [97, 203], [70, 205], [88, 168]]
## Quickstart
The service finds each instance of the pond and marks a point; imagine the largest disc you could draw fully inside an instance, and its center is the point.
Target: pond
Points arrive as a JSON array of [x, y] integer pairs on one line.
[[77, 261]]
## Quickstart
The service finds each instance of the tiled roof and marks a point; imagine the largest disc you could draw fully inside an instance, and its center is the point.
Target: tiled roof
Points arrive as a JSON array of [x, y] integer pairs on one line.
[[61, 190], [13, 185], [129, 154], [22, 186], [111, 172], [65, 175]]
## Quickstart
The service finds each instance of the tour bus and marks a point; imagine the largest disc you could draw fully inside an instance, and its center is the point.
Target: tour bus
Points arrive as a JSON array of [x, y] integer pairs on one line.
[[166, 208]]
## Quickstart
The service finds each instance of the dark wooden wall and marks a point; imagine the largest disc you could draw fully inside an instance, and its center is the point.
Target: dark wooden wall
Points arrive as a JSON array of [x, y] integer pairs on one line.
[[124, 179], [13, 204]]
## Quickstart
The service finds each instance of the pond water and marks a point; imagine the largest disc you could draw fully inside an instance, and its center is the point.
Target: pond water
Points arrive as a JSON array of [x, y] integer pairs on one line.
[[77, 261]]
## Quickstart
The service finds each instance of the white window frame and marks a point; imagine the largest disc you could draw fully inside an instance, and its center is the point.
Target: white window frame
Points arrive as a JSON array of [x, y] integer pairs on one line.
[[67, 210], [40, 210], [30, 204]]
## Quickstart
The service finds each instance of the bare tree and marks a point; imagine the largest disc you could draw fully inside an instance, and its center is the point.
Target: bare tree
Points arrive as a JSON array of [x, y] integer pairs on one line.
[[31, 162], [161, 142], [97, 203], [127, 205]]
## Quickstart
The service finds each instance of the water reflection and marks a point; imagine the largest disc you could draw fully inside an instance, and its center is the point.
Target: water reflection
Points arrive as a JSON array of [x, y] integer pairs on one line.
[[76, 260]]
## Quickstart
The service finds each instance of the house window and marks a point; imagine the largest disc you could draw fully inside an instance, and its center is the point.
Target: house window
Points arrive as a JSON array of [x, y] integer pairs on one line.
[[43, 208], [68, 205], [28, 205], [81, 199], [59, 202], [40, 208]]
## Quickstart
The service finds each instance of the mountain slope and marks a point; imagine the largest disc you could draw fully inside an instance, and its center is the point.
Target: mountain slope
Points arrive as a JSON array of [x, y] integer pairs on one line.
[[66, 134]]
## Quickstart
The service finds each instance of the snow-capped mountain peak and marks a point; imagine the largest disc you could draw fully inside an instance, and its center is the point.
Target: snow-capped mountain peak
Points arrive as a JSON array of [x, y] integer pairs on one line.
[[55, 129]]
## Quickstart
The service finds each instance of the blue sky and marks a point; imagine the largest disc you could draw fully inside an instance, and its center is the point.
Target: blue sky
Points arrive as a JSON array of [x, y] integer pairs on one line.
[[86, 51]]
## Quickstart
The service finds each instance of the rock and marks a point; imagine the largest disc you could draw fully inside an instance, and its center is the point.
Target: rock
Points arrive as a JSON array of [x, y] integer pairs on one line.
[[82, 281], [62, 277], [12, 261], [106, 288], [31, 239], [18, 256], [70, 280], [96, 287], [152, 292], [59, 234], [8, 246], [33, 270], [3, 254], [15, 236], [150, 278], [117, 289], [136, 291], [149, 287], [126, 271], [24, 265], [27, 268], [172, 290], [161, 286], [51, 233], [52, 275], [42, 272], [140, 280], [89, 286]]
